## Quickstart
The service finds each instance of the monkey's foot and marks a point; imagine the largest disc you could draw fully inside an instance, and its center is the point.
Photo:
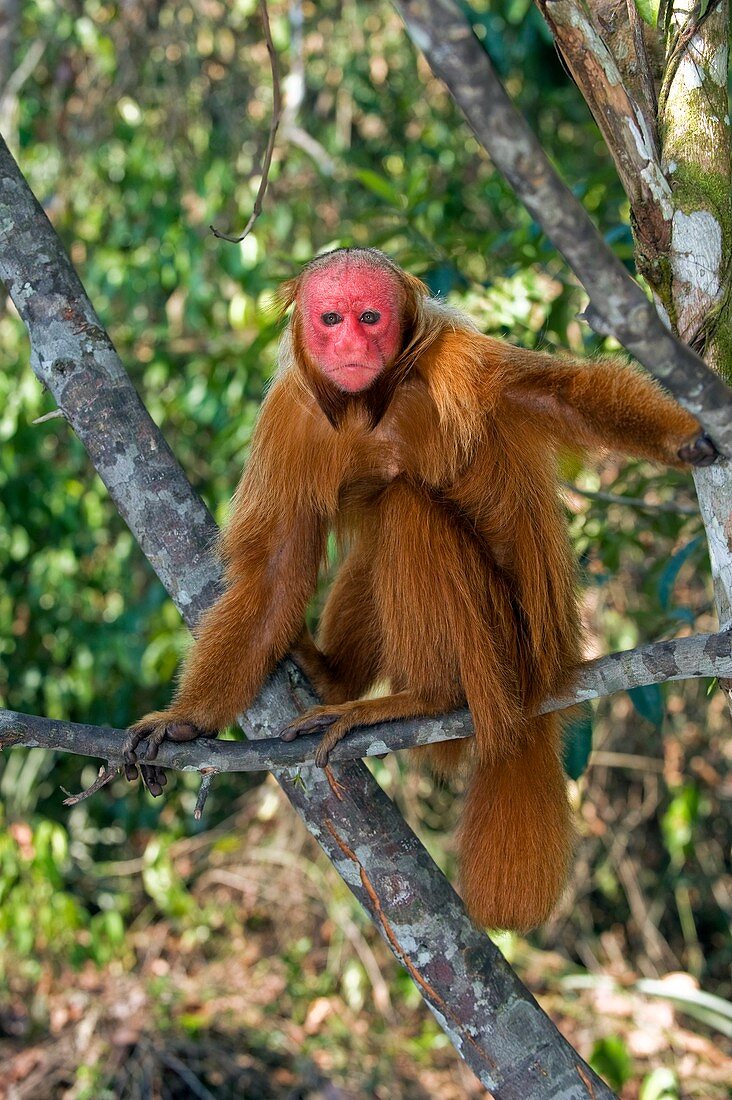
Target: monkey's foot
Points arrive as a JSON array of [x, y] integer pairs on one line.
[[700, 452], [333, 722], [149, 734]]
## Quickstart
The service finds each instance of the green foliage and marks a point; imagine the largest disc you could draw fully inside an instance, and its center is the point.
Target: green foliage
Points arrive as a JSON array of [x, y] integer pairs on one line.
[[40, 917], [661, 1084], [648, 11], [648, 701], [163, 883], [578, 743], [680, 821], [610, 1058]]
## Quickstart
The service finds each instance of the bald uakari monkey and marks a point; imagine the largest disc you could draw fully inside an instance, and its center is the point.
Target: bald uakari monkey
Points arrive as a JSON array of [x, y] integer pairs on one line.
[[430, 449]]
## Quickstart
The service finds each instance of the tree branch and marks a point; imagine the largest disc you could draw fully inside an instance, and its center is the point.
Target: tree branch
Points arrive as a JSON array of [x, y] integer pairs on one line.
[[618, 306], [277, 107], [628, 131], [678, 659], [495, 1023], [633, 502]]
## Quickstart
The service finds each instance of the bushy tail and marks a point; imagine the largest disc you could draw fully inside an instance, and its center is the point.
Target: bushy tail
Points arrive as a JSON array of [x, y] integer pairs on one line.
[[516, 833]]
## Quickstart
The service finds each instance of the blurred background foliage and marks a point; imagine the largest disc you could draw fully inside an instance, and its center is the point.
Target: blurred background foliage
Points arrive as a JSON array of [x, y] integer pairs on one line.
[[138, 125]]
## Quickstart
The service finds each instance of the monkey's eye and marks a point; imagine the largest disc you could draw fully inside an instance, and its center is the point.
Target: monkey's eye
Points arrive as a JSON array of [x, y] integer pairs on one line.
[[370, 317], [332, 318]]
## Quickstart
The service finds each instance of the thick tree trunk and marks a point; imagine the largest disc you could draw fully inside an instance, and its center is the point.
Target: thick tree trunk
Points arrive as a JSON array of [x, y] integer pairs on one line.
[[668, 88], [694, 132]]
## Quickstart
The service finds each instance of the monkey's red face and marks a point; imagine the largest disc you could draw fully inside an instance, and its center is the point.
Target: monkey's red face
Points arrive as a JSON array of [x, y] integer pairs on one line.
[[351, 323]]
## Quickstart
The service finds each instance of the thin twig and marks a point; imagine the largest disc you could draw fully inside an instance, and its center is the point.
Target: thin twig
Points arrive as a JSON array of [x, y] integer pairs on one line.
[[207, 777], [650, 107], [274, 125], [17, 79], [54, 414], [106, 775], [633, 502], [679, 43], [187, 1077], [605, 759]]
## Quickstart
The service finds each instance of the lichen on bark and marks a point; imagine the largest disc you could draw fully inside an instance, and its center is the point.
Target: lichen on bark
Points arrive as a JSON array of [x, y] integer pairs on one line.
[[694, 132]]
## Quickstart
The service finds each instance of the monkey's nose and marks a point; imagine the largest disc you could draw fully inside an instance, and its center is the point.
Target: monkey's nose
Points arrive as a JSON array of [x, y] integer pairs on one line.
[[352, 346]]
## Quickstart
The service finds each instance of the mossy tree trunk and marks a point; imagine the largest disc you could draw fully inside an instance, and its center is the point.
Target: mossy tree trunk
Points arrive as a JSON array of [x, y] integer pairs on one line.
[[694, 137], [694, 145], [659, 95]]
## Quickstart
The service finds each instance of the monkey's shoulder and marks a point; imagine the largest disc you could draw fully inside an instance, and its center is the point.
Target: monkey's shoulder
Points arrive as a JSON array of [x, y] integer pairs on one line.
[[468, 373]]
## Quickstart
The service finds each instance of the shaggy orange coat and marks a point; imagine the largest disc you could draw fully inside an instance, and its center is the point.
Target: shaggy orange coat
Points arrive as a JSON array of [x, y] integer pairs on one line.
[[457, 583]]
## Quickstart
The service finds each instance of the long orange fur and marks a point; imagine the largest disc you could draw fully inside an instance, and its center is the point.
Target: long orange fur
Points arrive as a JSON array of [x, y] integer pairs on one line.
[[457, 582]]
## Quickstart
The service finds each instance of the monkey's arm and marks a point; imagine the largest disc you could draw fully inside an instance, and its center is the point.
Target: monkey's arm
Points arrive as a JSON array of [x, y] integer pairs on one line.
[[272, 548], [605, 403]]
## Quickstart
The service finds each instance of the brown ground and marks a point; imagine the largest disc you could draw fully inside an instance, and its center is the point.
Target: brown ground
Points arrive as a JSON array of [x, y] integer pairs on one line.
[[274, 985]]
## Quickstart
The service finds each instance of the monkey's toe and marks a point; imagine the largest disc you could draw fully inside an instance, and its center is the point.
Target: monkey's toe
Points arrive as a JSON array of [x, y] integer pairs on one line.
[[146, 736], [143, 742], [312, 721], [329, 740]]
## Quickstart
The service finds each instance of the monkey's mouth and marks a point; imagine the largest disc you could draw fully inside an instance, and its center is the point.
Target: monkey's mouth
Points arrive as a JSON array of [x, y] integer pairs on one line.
[[354, 377]]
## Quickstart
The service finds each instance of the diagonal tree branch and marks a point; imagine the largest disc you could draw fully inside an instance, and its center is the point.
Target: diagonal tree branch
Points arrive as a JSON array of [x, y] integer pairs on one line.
[[494, 1022], [617, 304]]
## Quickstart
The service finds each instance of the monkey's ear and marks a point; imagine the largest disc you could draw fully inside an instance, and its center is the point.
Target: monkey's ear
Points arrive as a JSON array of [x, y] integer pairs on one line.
[[285, 296]]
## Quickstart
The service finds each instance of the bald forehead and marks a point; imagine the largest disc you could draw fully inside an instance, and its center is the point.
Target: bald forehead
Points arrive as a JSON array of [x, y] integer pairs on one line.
[[352, 278]]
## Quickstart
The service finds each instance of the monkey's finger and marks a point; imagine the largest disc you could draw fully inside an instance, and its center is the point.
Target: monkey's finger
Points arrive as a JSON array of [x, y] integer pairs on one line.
[[154, 739], [700, 452], [154, 778]]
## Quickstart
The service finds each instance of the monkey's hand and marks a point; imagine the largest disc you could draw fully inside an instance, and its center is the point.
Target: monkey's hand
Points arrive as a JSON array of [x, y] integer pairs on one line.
[[699, 452], [150, 732], [333, 722]]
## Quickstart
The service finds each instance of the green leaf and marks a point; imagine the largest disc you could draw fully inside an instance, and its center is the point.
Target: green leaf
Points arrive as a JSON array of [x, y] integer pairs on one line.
[[611, 1060], [381, 186], [671, 570], [578, 743], [648, 11], [661, 1084], [679, 823], [648, 701]]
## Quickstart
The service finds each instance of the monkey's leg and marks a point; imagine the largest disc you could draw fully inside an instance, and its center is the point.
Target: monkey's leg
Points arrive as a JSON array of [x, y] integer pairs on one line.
[[355, 652], [336, 720], [447, 623], [427, 622], [345, 662]]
